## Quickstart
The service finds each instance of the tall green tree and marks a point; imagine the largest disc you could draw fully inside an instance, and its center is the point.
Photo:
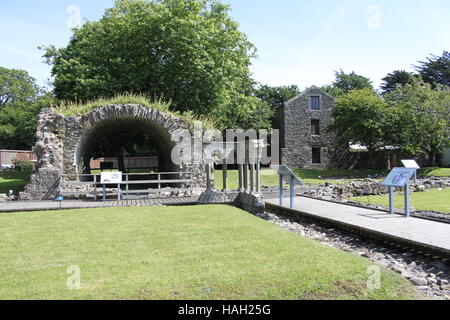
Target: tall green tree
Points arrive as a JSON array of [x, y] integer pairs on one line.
[[191, 52], [344, 83], [436, 69], [397, 78], [359, 118], [276, 97], [352, 81], [423, 119], [20, 102], [16, 86]]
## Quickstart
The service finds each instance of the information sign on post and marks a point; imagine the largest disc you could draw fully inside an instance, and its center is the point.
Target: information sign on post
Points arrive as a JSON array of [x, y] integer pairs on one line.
[[286, 174], [111, 178], [399, 178], [412, 164]]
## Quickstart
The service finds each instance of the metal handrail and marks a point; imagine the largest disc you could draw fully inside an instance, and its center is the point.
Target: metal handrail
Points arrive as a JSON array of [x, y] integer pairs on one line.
[[128, 182]]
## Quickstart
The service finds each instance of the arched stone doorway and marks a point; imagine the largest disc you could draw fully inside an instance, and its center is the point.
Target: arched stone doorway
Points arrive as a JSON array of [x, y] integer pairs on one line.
[[65, 143]]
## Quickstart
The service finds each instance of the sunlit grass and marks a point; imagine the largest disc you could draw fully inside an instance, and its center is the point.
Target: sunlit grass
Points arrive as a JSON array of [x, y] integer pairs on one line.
[[196, 252], [437, 200], [13, 180]]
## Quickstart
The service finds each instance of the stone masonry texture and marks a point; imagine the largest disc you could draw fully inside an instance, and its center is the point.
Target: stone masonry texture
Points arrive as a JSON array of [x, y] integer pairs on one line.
[[62, 144], [297, 139]]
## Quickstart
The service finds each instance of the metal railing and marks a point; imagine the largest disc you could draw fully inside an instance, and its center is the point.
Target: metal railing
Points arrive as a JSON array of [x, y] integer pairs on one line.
[[163, 181]]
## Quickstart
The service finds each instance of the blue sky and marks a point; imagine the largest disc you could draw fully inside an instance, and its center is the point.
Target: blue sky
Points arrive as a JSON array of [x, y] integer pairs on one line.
[[299, 42]]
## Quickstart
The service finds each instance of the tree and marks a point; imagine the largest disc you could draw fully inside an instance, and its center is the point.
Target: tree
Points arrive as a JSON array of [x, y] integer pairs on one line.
[[423, 118], [436, 70], [18, 122], [243, 112], [189, 51], [352, 81], [359, 118], [20, 102], [15, 86], [276, 97], [332, 90], [396, 78]]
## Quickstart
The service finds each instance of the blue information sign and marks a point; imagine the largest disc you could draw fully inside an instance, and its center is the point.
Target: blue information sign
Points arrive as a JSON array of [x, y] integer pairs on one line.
[[399, 177]]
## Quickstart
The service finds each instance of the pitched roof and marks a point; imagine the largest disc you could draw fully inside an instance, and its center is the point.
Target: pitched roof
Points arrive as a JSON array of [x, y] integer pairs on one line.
[[313, 87]]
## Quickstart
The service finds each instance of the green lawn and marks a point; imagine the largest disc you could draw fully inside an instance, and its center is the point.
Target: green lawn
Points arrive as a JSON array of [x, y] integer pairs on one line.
[[310, 176], [13, 180], [197, 252], [270, 178], [437, 172], [437, 200]]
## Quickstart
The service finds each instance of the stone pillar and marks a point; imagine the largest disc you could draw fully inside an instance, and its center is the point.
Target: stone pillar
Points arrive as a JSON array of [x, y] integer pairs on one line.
[[252, 178], [241, 177], [258, 177], [225, 174]]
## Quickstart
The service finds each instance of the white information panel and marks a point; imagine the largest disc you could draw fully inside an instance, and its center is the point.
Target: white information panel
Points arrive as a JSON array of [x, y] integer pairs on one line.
[[410, 164], [111, 177]]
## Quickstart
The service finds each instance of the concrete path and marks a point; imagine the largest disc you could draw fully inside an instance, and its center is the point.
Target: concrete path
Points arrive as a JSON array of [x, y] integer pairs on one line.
[[425, 233], [17, 206]]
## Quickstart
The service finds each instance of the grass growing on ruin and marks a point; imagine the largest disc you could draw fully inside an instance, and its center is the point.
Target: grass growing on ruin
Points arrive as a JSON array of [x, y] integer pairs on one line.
[[13, 180], [195, 252], [437, 200], [73, 108]]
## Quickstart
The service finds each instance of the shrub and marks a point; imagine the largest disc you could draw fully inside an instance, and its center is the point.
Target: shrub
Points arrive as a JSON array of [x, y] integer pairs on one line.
[[23, 165]]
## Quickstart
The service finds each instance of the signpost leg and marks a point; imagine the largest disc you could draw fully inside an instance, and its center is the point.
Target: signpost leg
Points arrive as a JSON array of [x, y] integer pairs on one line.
[[407, 207], [291, 192], [104, 193], [415, 177], [391, 200], [118, 192], [281, 191]]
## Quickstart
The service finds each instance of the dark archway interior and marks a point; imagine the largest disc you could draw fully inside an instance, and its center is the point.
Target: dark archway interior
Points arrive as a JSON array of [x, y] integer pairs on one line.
[[129, 137]]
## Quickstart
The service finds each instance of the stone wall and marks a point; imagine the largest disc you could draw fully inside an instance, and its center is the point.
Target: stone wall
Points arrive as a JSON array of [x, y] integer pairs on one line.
[[249, 202], [62, 143], [298, 140]]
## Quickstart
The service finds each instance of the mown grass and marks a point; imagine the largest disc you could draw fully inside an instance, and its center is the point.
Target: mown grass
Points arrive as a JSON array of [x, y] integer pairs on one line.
[[196, 252], [437, 200], [435, 172], [270, 178], [13, 180], [310, 176]]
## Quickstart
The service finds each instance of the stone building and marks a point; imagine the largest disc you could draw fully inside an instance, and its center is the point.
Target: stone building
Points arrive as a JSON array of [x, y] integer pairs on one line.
[[304, 140]]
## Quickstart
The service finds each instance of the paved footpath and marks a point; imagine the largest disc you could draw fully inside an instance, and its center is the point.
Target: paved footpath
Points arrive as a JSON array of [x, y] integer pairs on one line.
[[17, 206], [414, 230]]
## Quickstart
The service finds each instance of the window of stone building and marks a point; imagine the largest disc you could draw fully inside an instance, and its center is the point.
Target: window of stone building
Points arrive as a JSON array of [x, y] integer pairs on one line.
[[315, 127], [315, 103], [316, 155]]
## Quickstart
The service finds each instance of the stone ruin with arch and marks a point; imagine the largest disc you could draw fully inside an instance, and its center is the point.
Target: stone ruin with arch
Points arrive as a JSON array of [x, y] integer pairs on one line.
[[64, 145]]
